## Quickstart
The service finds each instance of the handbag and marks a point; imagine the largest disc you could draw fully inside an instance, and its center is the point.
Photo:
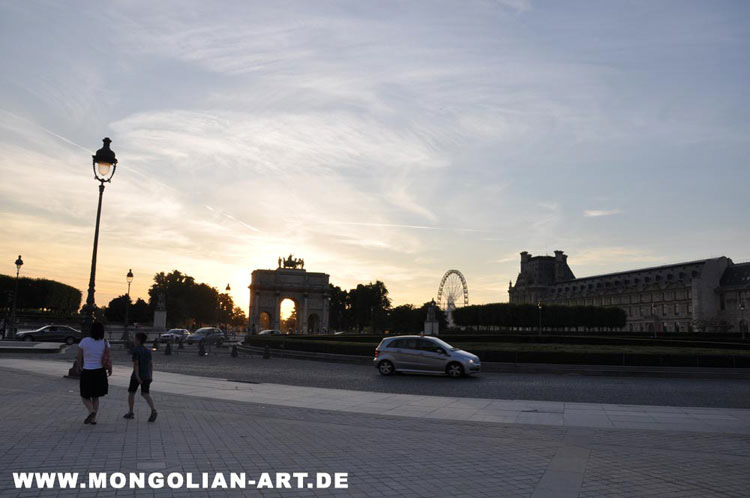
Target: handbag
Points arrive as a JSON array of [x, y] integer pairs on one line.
[[107, 358]]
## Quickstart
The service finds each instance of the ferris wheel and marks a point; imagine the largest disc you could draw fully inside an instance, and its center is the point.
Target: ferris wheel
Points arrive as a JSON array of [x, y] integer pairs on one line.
[[452, 293]]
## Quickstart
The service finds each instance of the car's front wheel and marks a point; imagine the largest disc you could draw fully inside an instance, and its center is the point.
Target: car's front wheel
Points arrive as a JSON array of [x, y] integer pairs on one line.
[[28, 338], [454, 370], [69, 341], [386, 367]]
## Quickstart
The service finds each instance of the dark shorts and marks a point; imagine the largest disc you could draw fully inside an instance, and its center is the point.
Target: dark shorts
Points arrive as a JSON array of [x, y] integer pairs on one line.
[[93, 383], [145, 385]]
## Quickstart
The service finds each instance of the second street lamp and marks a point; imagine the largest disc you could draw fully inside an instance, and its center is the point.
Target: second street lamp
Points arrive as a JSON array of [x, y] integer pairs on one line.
[[125, 333], [12, 331], [104, 164]]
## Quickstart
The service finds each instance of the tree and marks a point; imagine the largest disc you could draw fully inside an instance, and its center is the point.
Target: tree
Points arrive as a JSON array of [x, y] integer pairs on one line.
[[140, 312], [115, 310], [187, 301], [338, 309], [238, 317], [369, 305]]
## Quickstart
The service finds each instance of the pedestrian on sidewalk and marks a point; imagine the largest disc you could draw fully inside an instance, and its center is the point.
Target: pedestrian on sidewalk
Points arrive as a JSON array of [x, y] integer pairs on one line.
[[143, 373], [95, 363]]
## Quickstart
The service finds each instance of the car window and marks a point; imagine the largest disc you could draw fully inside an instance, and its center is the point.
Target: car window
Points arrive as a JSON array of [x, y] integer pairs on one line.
[[427, 345], [398, 343]]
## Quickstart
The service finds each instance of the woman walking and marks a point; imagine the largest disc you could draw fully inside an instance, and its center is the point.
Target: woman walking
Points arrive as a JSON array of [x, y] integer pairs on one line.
[[94, 358]]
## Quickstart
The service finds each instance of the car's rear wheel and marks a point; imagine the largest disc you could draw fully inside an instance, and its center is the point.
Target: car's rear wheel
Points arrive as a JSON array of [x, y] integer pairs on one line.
[[69, 341], [386, 367], [28, 338], [454, 370]]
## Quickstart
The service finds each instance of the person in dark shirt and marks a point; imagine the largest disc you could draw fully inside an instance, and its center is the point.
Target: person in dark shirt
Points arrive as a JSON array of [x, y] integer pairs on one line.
[[143, 374]]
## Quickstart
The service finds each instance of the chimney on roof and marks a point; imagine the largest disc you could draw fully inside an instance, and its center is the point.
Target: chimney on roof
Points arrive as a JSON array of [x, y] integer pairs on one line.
[[525, 257]]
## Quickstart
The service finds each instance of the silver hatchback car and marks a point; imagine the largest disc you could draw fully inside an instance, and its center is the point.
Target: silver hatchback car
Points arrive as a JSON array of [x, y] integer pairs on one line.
[[423, 354]]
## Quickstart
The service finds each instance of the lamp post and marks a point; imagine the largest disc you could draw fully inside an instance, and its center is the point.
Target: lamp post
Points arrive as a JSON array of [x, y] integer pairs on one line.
[[539, 305], [743, 325], [126, 334], [227, 289], [104, 165], [12, 335]]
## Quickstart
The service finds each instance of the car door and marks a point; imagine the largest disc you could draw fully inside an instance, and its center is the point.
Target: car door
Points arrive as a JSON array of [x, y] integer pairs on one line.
[[409, 356], [50, 333], [431, 357]]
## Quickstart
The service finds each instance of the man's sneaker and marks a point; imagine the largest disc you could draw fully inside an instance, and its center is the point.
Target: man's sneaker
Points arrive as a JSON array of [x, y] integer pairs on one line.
[[129, 415], [152, 418]]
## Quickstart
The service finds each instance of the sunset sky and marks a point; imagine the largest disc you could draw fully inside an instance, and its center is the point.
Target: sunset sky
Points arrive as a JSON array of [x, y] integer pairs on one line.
[[377, 140]]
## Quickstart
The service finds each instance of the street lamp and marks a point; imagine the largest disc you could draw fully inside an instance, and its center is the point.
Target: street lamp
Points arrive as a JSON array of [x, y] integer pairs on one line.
[[12, 335], [126, 334], [104, 164], [743, 325], [227, 289], [539, 305]]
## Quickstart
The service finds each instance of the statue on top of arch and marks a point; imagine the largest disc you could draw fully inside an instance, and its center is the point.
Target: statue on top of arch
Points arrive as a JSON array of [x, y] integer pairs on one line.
[[292, 263]]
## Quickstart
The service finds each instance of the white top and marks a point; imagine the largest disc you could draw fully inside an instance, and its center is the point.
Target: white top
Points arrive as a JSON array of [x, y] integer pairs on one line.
[[92, 352]]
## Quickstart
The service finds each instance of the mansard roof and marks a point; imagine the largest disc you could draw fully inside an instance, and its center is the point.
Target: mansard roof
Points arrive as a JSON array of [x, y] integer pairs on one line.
[[736, 275], [641, 270]]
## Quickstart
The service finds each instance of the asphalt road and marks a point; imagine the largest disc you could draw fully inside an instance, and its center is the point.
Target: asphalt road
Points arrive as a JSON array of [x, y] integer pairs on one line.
[[529, 386]]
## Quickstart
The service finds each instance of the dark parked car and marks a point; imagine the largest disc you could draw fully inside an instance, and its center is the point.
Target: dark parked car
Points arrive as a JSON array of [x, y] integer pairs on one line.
[[174, 335], [51, 333], [207, 335]]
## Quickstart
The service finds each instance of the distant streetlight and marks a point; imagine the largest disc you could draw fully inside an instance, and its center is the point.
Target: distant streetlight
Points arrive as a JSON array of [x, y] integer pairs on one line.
[[226, 326], [129, 279], [104, 164], [12, 334], [539, 305]]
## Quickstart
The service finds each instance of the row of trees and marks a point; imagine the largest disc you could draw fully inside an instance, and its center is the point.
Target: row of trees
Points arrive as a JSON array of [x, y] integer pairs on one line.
[[188, 303], [368, 307], [40, 294], [506, 315]]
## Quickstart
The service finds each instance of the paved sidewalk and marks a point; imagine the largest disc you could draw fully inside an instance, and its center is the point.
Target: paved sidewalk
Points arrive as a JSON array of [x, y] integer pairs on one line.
[[385, 455], [664, 418]]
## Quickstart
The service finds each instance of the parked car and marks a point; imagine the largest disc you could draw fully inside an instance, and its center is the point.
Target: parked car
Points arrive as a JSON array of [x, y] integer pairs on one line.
[[207, 335], [270, 332], [51, 333], [174, 335], [413, 353]]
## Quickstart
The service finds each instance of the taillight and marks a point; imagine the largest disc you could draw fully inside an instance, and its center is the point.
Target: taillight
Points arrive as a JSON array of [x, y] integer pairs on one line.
[[376, 353]]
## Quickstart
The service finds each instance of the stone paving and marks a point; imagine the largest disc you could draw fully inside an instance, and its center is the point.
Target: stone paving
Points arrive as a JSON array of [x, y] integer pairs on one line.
[[385, 455]]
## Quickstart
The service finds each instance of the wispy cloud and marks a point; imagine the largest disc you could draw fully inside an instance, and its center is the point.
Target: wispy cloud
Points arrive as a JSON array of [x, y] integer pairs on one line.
[[595, 213]]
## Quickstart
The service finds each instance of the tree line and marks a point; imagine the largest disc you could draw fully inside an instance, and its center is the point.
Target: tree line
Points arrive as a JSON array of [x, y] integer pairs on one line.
[[40, 294], [507, 315], [188, 304], [367, 308]]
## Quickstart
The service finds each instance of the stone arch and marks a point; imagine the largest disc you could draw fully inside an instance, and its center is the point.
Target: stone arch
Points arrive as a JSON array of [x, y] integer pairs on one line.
[[308, 290]]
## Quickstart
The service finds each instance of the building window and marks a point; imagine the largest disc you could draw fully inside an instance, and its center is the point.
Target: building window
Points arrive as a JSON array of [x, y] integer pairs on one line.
[[676, 309], [664, 310], [722, 303], [689, 308]]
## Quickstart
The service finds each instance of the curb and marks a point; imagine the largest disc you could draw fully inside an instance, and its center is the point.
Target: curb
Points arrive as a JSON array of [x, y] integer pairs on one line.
[[541, 368]]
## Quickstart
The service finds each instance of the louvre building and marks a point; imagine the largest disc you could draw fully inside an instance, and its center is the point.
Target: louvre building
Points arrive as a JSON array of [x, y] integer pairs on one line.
[[706, 295]]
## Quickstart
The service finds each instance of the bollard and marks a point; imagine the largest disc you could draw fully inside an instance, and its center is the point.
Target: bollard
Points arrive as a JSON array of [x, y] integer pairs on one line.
[[74, 372], [180, 345], [168, 350], [234, 351], [201, 349], [266, 352], [156, 344]]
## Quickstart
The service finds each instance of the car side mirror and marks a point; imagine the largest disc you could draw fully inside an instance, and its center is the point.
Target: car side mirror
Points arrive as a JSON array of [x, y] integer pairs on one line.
[[440, 351]]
